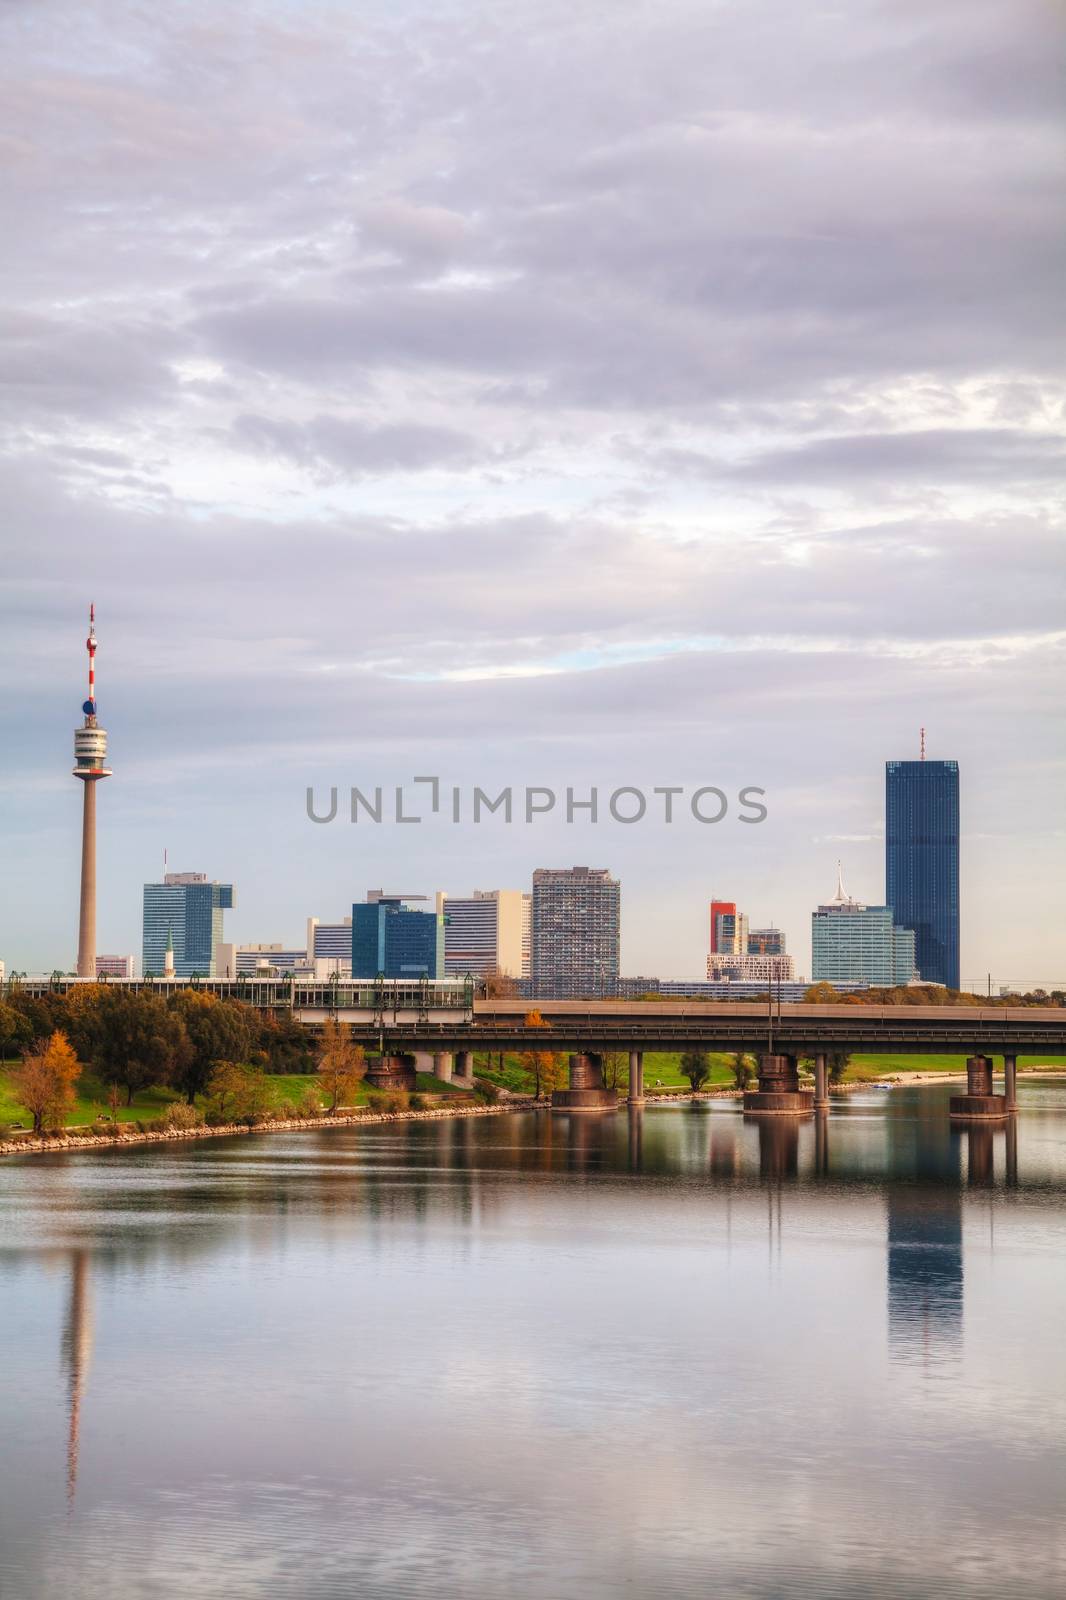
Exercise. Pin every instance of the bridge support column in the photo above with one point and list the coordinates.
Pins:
(443, 1065)
(464, 1068)
(779, 1093)
(636, 1077)
(391, 1072)
(1010, 1082)
(821, 1083)
(978, 1101)
(586, 1091)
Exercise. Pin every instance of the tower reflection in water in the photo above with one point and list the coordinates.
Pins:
(76, 1350)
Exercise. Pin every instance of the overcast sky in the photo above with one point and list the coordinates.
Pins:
(526, 392)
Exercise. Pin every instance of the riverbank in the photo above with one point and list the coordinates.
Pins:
(124, 1136)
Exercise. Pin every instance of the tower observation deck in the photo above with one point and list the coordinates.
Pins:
(90, 765)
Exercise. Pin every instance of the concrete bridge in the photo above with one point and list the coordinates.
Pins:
(436, 1027)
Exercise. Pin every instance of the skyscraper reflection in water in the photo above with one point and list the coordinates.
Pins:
(925, 1277)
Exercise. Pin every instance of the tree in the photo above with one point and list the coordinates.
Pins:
(743, 1070)
(236, 1092)
(615, 1069)
(838, 1062)
(44, 1081)
(696, 1068)
(543, 1066)
(14, 1030)
(128, 1037)
(499, 985)
(207, 1031)
(341, 1064)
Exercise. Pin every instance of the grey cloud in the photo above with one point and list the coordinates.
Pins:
(337, 445)
(971, 456)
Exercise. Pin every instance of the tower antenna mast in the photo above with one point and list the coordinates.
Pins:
(90, 765)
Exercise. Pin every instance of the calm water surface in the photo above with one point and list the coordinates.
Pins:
(672, 1354)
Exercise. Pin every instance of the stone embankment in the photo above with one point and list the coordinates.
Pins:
(72, 1140)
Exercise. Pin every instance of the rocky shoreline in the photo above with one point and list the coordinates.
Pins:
(119, 1139)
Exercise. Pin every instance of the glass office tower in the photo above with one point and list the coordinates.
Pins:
(188, 908)
(922, 861)
(388, 937)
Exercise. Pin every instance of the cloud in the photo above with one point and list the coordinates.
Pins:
(540, 385)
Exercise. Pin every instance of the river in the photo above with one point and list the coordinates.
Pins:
(673, 1353)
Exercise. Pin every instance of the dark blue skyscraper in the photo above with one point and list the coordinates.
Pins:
(388, 937)
(922, 861)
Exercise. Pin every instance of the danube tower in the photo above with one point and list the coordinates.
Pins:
(90, 755)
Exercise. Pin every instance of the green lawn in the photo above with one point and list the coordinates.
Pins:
(663, 1068)
(288, 1088)
(660, 1069)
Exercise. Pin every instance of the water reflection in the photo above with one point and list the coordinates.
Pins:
(76, 1349)
(924, 1205)
(422, 1359)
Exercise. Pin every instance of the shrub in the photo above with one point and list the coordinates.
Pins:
(309, 1103)
(418, 1102)
(180, 1116)
(489, 1092)
(395, 1100)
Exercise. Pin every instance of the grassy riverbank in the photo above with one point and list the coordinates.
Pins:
(663, 1069)
(288, 1089)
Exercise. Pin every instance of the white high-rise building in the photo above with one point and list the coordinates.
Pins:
(329, 948)
(489, 931)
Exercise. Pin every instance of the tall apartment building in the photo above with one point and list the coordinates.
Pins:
(391, 938)
(856, 943)
(487, 932)
(188, 908)
(729, 929)
(766, 942)
(922, 861)
(576, 932)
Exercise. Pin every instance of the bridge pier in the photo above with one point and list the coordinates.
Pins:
(443, 1065)
(464, 1068)
(636, 1077)
(392, 1072)
(821, 1083)
(586, 1091)
(779, 1093)
(1010, 1081)
(979, 1100)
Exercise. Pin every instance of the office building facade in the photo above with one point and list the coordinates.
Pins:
(268, 960)
(189, 908)
(329, 948)
(922, 861)
(391, 938)
(751, 968)
(854, 943)
(766, 942)
(487, 932)
(729, 929)
(576, 932)
(116, 967)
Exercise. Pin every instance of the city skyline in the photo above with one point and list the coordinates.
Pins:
(724, 914)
